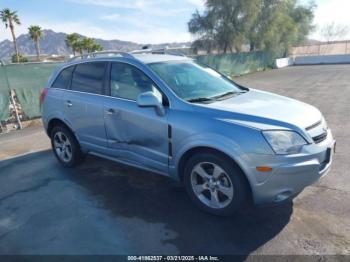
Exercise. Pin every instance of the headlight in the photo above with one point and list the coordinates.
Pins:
(284, 142)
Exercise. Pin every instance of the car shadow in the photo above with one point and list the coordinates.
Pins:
(129, 195)
(133, 193)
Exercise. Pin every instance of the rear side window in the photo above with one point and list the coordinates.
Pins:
(63, 79)
(88, 77)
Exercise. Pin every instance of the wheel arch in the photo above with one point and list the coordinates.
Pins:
(55, 122)
(200, 149)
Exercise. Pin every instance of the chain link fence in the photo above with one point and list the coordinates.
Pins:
(321, 49)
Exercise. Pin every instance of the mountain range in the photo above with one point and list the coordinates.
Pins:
(53, 43)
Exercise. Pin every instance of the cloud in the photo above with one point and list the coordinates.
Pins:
(198, 3)
(155, 37)
(161, 8)
(111, 17)
(141, 21)
(137, 4)
(139, 33)
(331, 11)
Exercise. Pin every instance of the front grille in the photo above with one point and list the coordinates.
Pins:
(320, 138)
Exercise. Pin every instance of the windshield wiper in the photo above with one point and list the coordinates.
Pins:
(215, 98)
(227, 95)
(201, 100)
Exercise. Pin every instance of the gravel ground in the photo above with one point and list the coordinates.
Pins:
(106, 208)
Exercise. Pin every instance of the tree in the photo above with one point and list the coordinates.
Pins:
(96, 47)
(227, 25)
(80, 45)
(332, 31)
(89, 45)
(290, 24)
(223, 23)
(21, 59)
(10, 19)
(36, 33)
(71, 42)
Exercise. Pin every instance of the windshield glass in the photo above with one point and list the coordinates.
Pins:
(194, 82)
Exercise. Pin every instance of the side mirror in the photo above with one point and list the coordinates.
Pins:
(149, 99)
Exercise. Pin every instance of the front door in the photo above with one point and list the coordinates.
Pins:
(135, 134)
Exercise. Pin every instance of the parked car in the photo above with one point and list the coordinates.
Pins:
(227, 143)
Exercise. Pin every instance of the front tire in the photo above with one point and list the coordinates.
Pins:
(214, 183)
(65, 146)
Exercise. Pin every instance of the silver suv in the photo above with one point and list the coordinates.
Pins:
(170, 115)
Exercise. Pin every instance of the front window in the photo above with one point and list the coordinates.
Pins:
(128, 82)
(195, 83)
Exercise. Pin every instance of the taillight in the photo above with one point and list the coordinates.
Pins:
(43, 93)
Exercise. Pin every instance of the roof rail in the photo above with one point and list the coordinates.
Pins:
(162, 51)
(101, 53)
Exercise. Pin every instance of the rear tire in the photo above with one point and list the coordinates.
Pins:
(65, 146)
(215, 184)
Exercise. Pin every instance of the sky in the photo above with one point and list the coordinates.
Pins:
(141, 21)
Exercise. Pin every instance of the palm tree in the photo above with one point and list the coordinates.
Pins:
(87, 44)
(96, 47)
(10, 19)
(90, 45)
(71, 41)
(79, 46)
(36, 33)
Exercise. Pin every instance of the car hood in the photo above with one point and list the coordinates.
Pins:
(266, 109)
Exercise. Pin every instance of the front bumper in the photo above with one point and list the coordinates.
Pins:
(291, 173)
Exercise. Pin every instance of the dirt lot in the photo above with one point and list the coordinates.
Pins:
(105, 208)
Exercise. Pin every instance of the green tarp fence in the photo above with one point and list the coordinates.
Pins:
(27, 80)
(239, 63)
(4, 95)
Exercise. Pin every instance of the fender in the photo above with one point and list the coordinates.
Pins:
(59, 116)
(210, 140)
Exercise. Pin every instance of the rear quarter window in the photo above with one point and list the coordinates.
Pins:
(89, 77)
(63, 79)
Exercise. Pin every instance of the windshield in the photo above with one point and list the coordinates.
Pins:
(194, 82)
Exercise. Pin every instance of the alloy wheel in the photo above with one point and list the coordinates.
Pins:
(212, 185)
(62, 146)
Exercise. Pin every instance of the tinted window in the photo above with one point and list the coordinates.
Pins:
(88, 77)
(63, 79)
(128, 82)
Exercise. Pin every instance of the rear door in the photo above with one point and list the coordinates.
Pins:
(84, 104)
(53, 102)
(136, 134)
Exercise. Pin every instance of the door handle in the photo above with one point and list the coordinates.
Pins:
(69, 103)
(110, 111)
